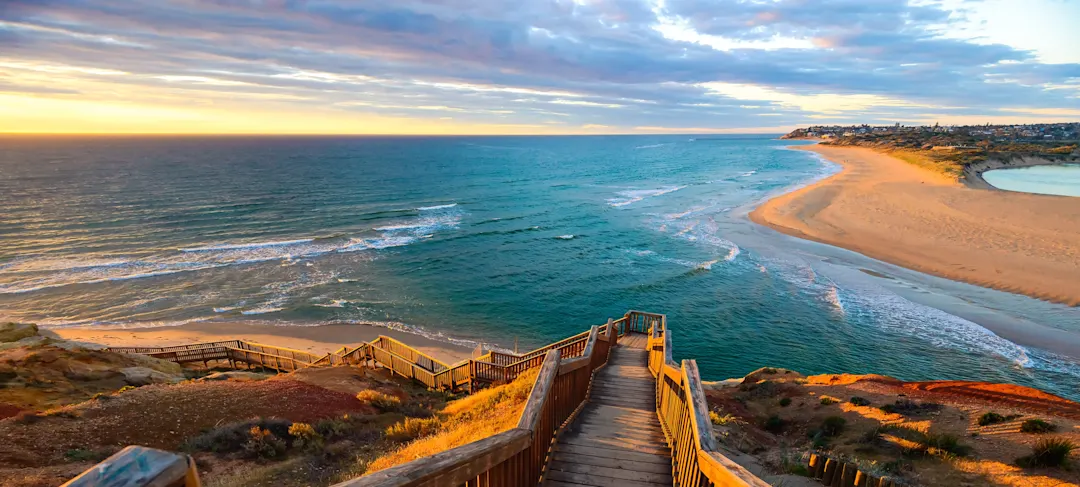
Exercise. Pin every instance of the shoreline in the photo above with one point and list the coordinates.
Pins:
(898, 213)
(317, 339)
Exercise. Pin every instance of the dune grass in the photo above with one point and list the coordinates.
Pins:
(475, 417)
(929, 161)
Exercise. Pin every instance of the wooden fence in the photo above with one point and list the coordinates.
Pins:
(517, 457)
(250, 353)
(684, 416)
(837, 473)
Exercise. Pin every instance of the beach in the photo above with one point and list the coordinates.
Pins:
(892, 211)
(318, 339)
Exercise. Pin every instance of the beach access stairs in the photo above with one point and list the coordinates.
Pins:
(609, 407)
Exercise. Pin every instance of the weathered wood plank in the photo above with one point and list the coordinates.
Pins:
(614, 462)
(614, 453)
(596, 480)
(615, 473)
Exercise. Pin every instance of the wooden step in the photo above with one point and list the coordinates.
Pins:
(595, 480)
(657, 449)
(621, 453)
(614, 461)
(616, 473)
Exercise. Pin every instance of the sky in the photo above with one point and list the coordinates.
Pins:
(531, 66)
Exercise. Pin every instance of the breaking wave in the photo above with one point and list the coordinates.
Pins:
(633, 196)
(40, 273)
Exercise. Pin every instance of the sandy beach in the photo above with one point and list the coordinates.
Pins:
(889, 210)
(318, 339)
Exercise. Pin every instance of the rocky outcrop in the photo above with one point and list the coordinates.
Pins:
(13, 332)
(38, 372)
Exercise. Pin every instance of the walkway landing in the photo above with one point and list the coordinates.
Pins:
(616, 440)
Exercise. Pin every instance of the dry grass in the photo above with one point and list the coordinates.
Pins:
(466, 420)
(927, 161)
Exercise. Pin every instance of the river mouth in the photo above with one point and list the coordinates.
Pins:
(1060, 180)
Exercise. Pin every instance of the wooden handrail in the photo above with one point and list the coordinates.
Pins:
(684, 418)
(518, 456)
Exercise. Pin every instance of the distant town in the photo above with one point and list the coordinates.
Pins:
(948, 136)
(949, 148)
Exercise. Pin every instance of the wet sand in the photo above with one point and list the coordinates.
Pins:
(318, 339)
(892, 211)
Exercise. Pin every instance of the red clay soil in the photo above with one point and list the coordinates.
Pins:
(163, 416)
(1005, 394)
(985, 393)
(7, 410)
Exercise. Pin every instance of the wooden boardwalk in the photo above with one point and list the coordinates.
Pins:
(616, 440)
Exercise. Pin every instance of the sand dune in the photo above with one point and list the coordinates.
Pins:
(887, 209)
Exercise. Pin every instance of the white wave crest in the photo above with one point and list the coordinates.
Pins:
(436, 207)
(565, 237)
(633, 196)
(255, 245)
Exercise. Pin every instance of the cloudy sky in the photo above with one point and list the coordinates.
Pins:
(531, 66)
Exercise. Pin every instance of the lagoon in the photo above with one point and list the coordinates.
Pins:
(1063, 180)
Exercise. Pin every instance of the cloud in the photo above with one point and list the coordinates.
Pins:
(702, 64)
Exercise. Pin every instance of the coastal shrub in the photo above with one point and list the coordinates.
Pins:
(1050, 452)
(944, 443)
(785, 402)
(774, 424)
(378, 400)
(333, 428)
(859, 401)
(908, 407)
(1037, 426)
(724, 420)
(413, 428)
(261, 443)
(825, 401)
(86, 455)
(833, 425)
(305, 437)
(232, 437)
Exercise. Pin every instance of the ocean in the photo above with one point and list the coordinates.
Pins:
(486, 239)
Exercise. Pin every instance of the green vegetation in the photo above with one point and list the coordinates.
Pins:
(774, 424)
(859, 401)
(234, 437)
(833, 425)
(305, 437)
(379, 400)
(825, 401)
(261, 443)
(908, 407)
(413, 428)
(991, 418)
(1037, 426)
(1050, 452)
(785, 402)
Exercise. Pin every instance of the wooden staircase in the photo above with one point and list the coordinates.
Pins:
(616, 440)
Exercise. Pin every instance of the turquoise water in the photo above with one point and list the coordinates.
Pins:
(1061, 180)
(487, 239)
